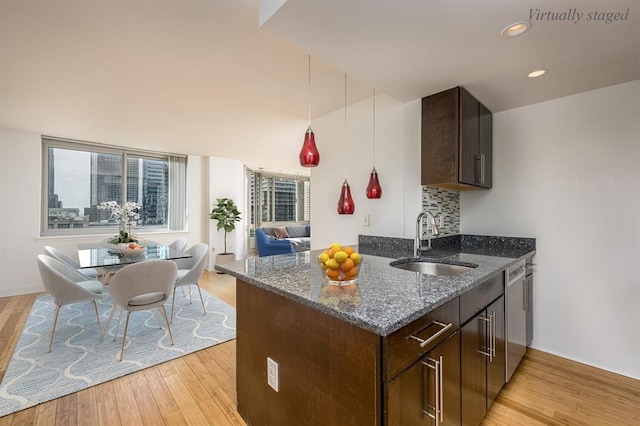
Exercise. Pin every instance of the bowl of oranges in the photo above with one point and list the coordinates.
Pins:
(340, 265)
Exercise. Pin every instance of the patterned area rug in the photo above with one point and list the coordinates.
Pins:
(77, 359)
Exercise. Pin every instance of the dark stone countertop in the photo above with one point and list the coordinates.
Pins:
(386, 298)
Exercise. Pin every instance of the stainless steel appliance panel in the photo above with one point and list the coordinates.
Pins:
(516, 314)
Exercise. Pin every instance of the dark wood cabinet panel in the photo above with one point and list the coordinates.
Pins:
(483, 361)
(496, 367)
(477, 299)
(329, 370)
(474, 371)
(469, 171)
(456, 141)
(485, 145)
(440, 135)
(421, 392)
(400, 350)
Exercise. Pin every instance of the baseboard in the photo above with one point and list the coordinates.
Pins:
(24, 289)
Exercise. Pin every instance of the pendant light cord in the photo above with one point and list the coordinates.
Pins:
(374, 128)
(345, 121)
(309, 88)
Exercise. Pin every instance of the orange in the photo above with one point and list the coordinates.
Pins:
(334, 250)
(333, 274)
(351, 273)
(348, 250)
(347, 265)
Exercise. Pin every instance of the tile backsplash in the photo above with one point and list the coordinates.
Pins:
(445, 207)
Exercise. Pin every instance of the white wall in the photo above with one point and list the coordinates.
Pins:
(567, 172)
(396, 163)
(20, 189)
(227, 179)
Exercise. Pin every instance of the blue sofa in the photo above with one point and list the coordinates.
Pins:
(268, 244)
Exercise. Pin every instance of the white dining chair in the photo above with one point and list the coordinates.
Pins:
(191, 269)
(142, 286)
(90, 273)
(67, 286)
(180, 244)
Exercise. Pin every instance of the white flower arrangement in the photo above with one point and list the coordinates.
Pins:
(125, 214)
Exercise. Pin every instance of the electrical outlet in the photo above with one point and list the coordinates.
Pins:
(366, 220)
(272, 374)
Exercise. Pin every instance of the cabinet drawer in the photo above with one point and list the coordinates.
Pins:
(476, 299)
(403, 347)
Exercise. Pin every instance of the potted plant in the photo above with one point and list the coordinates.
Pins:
(124, 214)
(227, 214)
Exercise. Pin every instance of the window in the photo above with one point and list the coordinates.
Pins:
(78, 176)
(279, 198)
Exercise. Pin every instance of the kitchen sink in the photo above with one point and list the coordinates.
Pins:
(431, 268)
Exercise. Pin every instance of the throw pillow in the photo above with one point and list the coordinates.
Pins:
(281, 232)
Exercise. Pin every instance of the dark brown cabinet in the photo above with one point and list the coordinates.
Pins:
(431, 371)
(428, 392)
(483, 361)
(457, 134)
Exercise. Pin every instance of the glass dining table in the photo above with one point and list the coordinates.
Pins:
(107, 256)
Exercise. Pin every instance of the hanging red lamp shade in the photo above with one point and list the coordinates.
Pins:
(345, 203)
(374, 190)
(309, 155)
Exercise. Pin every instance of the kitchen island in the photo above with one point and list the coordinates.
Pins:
(336, 356)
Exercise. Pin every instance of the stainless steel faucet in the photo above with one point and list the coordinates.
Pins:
(417, 244)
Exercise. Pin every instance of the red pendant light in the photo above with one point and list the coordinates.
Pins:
(374, 190)
(309, 155)
(345, 203)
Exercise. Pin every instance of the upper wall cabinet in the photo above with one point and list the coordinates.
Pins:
(457, 136)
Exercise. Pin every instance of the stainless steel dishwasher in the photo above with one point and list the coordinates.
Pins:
(516, 313)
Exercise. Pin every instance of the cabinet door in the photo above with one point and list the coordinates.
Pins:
(417, 396)
(496, 366)
(485, 146)
(469, 166)
(474, 352)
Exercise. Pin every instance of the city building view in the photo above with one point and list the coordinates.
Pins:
(101, 180)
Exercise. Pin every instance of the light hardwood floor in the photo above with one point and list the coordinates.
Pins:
(200, 388)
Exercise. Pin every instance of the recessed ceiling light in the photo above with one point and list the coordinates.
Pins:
(537, 73)
(515, 29)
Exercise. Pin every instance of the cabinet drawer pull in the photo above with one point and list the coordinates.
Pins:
(491, 349)
(443, 330)
(492, 317)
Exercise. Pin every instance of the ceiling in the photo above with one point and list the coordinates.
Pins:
(202, 77)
